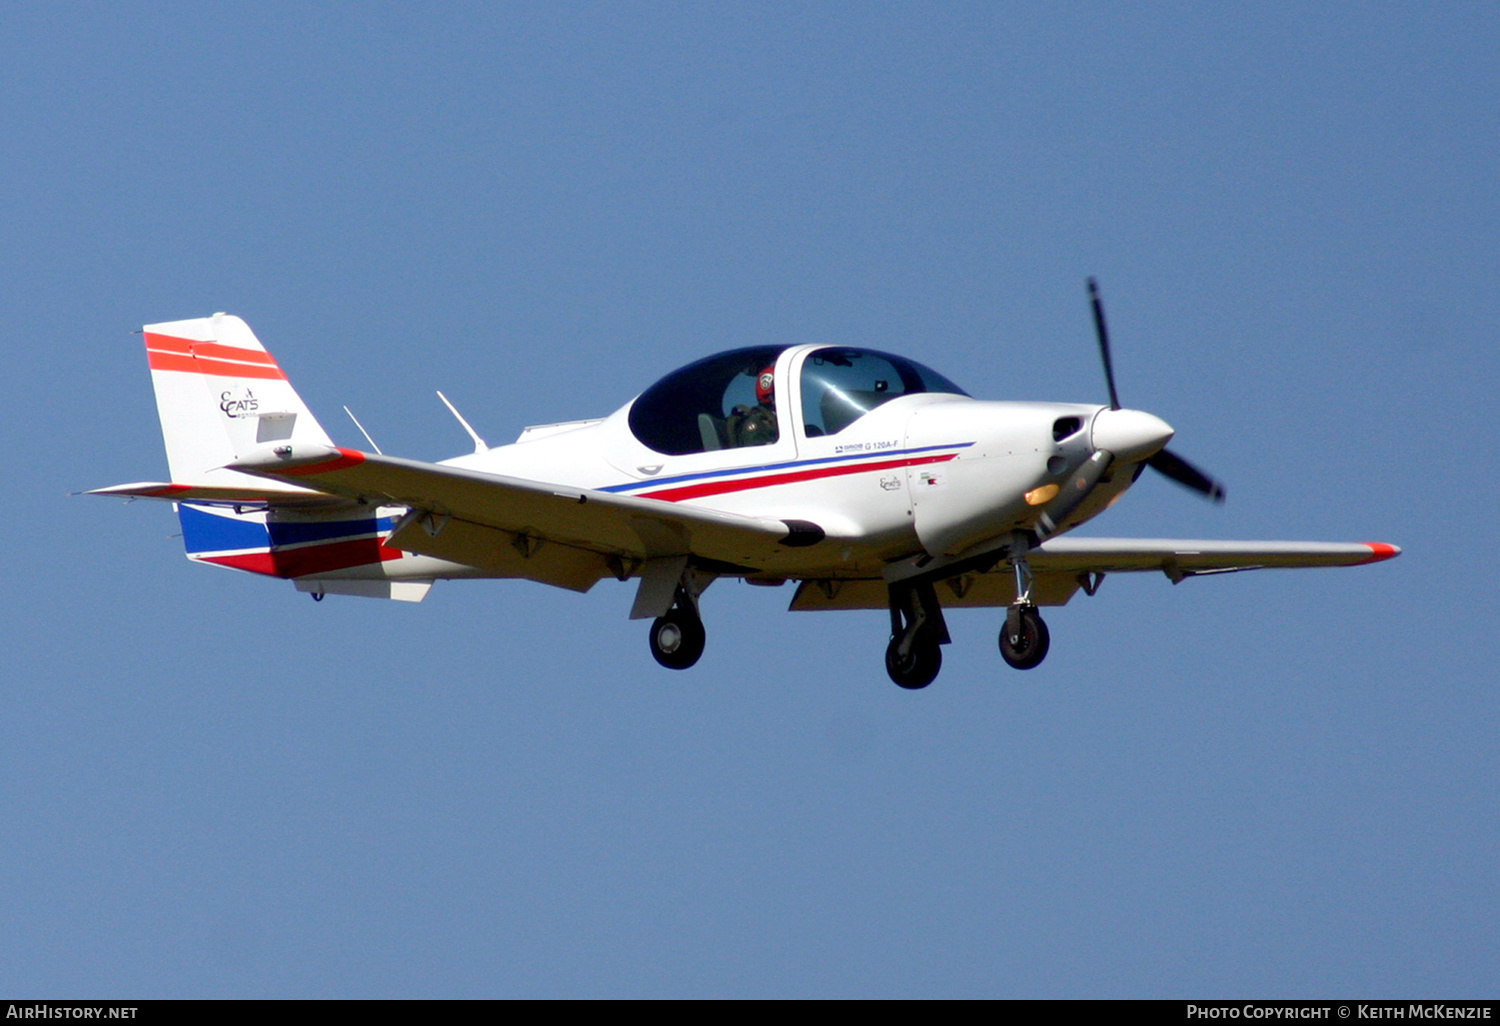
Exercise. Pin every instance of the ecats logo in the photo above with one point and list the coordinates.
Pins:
(238, 402)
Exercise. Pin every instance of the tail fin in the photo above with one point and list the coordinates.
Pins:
(220, 395)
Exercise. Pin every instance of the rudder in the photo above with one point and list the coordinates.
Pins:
(219, 395)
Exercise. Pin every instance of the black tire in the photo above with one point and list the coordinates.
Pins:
(1035, 641)
(677, 639)
(919, 668)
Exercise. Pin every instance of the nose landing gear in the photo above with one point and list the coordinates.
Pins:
(1024, 638)
(914, 655)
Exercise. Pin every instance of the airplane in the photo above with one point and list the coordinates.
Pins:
(870, 480)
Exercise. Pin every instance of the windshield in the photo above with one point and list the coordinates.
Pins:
(722, 402)
(841, 385)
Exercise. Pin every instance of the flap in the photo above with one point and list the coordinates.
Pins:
(966, 591)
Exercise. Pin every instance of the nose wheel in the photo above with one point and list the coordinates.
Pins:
(677, 639)
(1024, 638)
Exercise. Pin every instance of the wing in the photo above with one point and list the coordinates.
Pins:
(1179, 558)
(1062, 565)
(513, 527)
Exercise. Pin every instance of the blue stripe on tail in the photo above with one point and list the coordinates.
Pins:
(211, 532)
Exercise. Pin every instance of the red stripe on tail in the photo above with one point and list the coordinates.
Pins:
(312, 559)
(163, 352)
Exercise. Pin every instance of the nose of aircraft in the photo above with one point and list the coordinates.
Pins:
(1130, 434)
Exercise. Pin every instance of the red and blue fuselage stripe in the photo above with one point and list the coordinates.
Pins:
(718, 482)
(295, 549)
(284, 549)
(206, 532)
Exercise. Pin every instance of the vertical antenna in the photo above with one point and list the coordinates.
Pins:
(479, 445)
(363, 431)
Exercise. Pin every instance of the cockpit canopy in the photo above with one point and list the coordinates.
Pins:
(840, 385)
(705, 405)
(731, 400)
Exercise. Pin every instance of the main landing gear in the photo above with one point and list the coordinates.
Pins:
(913, 657)
(677, 637)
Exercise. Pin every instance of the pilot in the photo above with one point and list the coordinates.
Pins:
(756, 425)
(765, 387)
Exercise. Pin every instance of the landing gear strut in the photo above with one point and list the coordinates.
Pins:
(913, 657)
(677, 638)
(1024, 638)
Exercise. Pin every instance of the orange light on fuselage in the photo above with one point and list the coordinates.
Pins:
(1037, 496)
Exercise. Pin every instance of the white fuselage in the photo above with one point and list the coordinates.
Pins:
(934, 472)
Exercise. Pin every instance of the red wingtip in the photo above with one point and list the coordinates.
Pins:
(1380, 551)
(345, 458)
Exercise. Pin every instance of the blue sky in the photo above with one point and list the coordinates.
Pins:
(1263, 784)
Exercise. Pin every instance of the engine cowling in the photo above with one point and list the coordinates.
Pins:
(981, 493)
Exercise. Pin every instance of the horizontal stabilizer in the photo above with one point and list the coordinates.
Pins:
(264, 492)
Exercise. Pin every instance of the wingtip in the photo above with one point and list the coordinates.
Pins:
(1381, 551)
(303, 460)
(140, 490)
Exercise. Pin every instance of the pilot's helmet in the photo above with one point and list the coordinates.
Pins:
(765, 385)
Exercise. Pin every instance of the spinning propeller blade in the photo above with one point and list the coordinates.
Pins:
(1184, 473)
(1103, 334)
(1164, 462)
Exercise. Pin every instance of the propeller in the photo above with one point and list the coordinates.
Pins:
(1184, 473)
(1103, 334)
(1164, 461)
